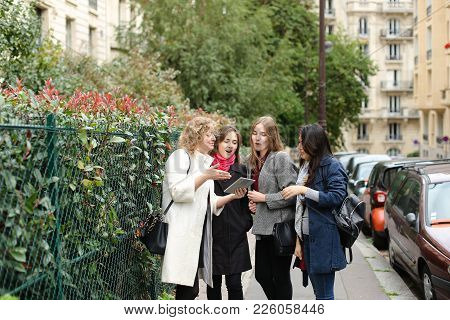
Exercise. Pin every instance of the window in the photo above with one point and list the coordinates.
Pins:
(69, 33)
(93, 4)
(362, 132)
(330, 29)
(396, 184)
(429, 7)
(363, 30)
(122, 12)
(429, 42)
(393, 152)
(394, 27)
(394, 76)
(394, 104)
(92, 41)
(394, 131)
(394, 52)
(364, 47)
(364, 103)
(408, 198)
(429, 81)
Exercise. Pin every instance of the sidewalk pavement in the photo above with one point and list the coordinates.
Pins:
(368, 277)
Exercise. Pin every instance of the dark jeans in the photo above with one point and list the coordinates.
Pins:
(271, 271)
(234, 287)
(186, 292)
(323, 283)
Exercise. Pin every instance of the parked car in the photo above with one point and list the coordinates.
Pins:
(353, 162)
(344, 159)
(375, 195)
(341, 154)
(418, 221)
(357, 184)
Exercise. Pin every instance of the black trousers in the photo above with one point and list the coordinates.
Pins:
(271, 271)
(234, 287)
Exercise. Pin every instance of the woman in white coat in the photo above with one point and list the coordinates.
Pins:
(189, 183)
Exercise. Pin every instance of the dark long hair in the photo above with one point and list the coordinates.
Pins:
(222, 135)
(315, 143)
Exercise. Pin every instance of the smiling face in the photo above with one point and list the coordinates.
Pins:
(260, 139)
(229, 145)
(207, 144)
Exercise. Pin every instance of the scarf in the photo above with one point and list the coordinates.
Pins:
(224, 163)
(303, 173)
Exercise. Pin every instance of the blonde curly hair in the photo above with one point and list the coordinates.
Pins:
(194, 132)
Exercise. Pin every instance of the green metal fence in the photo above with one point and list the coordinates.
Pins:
(69, 204)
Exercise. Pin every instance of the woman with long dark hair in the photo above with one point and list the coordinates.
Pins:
(231, 254)
(321, 188)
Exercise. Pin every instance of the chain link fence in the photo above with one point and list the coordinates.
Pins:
(69, 204)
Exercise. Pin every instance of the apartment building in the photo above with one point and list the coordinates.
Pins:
(86, 26)
(388, 122)
(432, 76)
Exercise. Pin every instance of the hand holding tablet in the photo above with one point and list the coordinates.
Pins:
(238, 184)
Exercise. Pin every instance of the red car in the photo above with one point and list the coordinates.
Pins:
(418, 221)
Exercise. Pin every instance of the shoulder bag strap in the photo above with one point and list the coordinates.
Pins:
(187, 173)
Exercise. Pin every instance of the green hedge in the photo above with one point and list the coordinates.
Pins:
(76, 175)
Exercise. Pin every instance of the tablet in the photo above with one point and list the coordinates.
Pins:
(239, 183)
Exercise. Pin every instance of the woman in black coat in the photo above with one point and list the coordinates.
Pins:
(231, 254)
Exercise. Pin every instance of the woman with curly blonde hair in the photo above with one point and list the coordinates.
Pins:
(188, 188)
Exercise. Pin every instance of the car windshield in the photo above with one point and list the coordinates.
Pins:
(364, 171)
(439, 203)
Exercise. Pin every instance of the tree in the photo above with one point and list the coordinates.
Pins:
(254, 57)
(348, 69)
(225, 55)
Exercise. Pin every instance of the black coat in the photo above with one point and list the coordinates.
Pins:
(230, 246)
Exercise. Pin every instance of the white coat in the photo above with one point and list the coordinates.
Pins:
(186, 218)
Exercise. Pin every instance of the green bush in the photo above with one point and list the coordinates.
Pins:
(77, 174)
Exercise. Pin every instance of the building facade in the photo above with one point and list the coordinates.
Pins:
(388, 122)
(432, 76)
(86, 26)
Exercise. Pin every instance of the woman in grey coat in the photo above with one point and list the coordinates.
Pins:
(272, 170)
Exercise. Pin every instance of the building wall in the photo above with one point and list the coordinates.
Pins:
(377, 115)
(93, 27)
(431, 76)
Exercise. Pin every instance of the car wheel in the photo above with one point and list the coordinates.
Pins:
(427, 285)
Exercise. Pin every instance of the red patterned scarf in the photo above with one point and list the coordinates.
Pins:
(224, 163)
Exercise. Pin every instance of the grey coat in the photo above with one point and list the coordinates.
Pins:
(277, 173)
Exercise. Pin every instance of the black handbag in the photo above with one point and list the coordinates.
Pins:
(284, 238)
(349, 221)
(153, 231)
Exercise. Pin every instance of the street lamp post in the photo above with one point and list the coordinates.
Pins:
(322, 79)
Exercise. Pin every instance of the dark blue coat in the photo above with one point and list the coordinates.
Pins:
(326, 252)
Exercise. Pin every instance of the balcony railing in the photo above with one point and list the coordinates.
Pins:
(394, 137)
(363, 137)
(429, 54)
(394, 57)
(330, 13)
(363, 33)
(397, 7)
(93, 4)
(396, 85)
(362, 6)
(396, 34)
(403, 112)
